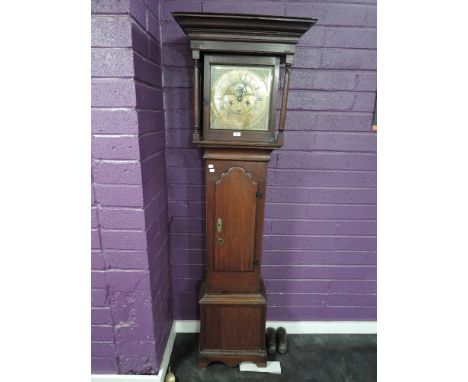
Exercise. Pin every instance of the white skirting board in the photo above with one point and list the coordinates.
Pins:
(292, 327)
(299, 327)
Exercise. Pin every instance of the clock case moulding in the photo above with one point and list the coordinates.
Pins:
(250, 36)
(232, 296)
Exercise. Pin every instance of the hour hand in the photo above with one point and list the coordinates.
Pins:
(239, 92)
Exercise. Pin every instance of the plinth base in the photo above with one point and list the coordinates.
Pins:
(231, 358)
(232, 328)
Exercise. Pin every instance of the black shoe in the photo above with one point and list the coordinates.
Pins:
(281, 340)
(271, 340)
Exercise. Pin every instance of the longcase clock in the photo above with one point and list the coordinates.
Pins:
(237, 63)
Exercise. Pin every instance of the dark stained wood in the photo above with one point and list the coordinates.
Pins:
(252, 48)
(284, 101)
(248, 171)
(232, 358)
(232, 328)
(232, 297)
(240, 154)
(235, 213)
(243, 27)
(243, 323)
(196, 99)
(237, 145)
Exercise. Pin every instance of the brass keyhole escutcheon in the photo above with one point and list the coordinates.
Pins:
(219, 228)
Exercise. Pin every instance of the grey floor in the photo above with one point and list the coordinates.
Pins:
(311, 357)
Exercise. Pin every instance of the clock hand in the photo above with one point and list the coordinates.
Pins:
(240, 92)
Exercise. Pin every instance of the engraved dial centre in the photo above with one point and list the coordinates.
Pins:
(240, 98)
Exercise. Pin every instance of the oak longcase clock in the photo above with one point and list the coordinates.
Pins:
(238, 121)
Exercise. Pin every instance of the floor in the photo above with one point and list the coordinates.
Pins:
(310, 357)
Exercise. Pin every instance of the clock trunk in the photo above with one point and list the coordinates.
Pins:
(235, 204)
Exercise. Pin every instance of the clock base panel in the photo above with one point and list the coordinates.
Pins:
(232, 328)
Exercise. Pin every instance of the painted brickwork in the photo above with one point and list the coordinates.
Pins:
(319, 259)
(131, 296)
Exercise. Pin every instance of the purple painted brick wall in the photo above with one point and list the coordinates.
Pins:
(319, 258)
(131, 294)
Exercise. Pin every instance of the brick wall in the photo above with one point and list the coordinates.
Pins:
(319, 259)
(131, 296)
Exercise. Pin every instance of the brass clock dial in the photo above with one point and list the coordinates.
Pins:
(240, 97)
